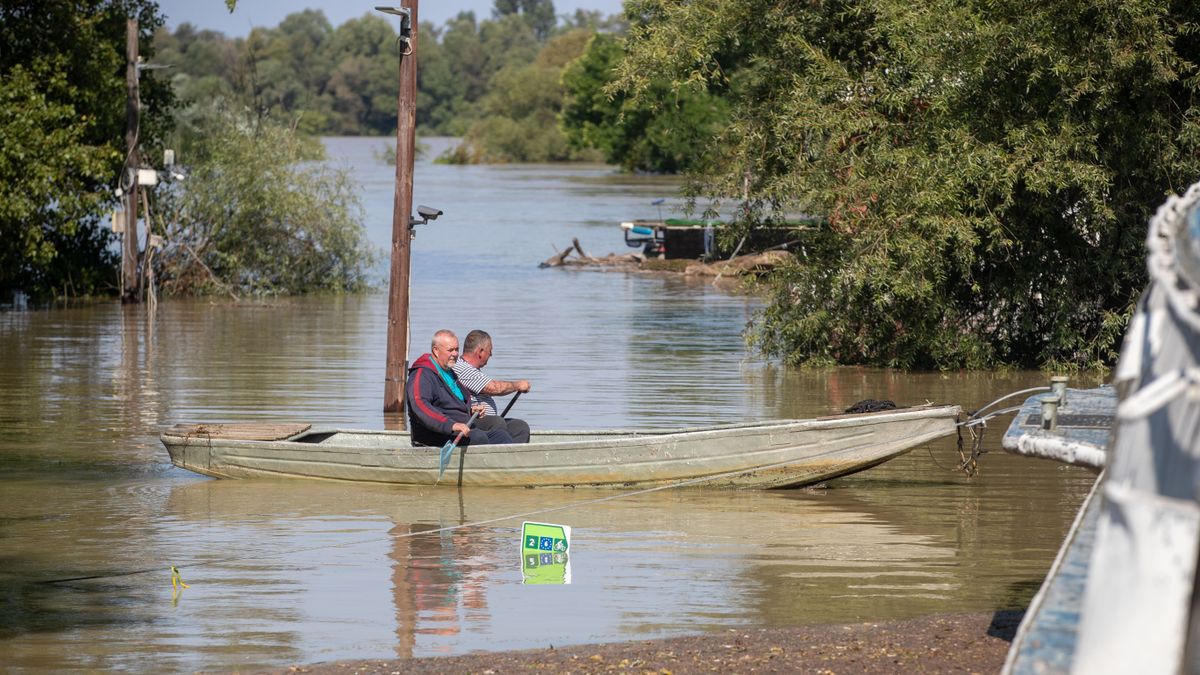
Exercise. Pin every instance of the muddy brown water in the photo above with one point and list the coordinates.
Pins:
(283, 572)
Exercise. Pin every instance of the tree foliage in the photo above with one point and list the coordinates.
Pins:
(519, 120)
(665, 129)
(496, 81)
(49, 209)
(259, 212)
(537, 14)
(984, 171)
(62, 146)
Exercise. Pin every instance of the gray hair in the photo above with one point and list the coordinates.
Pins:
(442, 333)
(475, 340)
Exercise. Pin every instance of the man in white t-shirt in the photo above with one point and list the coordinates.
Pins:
(477, 349)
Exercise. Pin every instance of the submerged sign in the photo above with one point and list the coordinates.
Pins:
(544, 556)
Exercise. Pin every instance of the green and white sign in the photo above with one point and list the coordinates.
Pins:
(545, 557)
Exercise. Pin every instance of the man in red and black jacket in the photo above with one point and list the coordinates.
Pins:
(438, 407)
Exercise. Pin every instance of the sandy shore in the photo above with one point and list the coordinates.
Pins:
(952, 643)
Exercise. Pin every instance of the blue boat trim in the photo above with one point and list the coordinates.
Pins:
(1046, 639)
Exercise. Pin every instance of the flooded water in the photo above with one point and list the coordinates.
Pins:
(298, 572)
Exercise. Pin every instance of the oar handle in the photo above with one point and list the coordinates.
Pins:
(469, 423)
(510, 404)
(448, 448)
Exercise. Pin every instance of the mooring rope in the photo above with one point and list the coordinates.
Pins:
(976, 424)
(1005, 397)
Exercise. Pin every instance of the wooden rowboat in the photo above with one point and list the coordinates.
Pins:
(776, 454)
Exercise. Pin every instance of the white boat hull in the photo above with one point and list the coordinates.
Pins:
(783, 453)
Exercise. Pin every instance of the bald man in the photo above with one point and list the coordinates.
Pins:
(439, 406)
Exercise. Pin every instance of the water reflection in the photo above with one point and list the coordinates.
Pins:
(303, 572)
(649, 565)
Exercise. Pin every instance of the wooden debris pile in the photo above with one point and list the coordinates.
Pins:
(751, 264)
(610, 260)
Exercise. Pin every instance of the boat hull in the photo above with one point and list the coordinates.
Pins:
(786, 453)
(1081, 436)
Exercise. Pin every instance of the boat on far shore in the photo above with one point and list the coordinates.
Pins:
(773, 454)
(696, 238)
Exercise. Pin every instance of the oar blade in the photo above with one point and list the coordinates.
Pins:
(447, 450)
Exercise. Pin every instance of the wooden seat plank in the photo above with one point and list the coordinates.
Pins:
(242, 431)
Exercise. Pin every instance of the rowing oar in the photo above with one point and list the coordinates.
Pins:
(448, 448)
(463, 455)
(510, 405)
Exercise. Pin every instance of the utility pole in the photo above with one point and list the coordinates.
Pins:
(129, 244)
(402, 224)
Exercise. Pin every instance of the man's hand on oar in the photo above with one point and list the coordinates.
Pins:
(448, 448)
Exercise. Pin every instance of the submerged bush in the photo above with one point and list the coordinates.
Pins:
(259, 212)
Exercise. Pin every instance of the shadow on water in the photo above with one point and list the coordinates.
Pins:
(37, 607)
(1020, 593)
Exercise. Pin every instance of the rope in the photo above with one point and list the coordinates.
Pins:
(983, 420)
(1008, 396)
(958, 431)
(969, 464)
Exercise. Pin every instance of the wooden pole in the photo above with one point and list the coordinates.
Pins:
(406, 121)
(129, 243)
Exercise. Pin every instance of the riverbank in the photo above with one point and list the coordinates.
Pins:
(975, 643)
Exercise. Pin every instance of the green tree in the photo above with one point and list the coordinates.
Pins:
(440, 95)
(593, 20)
(203, 62)
(468, 57)
(984, 170)
(506, 42)
(363, 82)
(62, 129)
(465, 64)
(665, 129)
(343, 80)
(291, 69)
(259, 213)
(50, 203)
(537, 14)
(519, 121)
